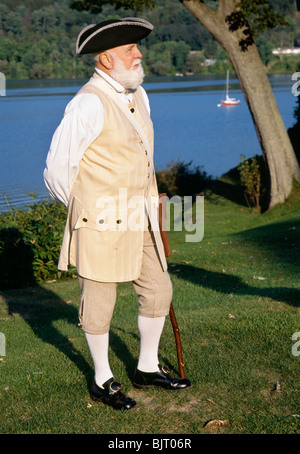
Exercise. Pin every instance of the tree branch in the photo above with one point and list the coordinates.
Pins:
(204, 13)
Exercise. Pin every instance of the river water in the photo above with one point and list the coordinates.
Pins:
(189, 126)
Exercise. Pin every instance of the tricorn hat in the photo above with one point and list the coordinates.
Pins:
(112, 33)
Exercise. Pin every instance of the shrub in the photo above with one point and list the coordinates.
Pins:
(30, 242)
(250, 175)
(178, 178)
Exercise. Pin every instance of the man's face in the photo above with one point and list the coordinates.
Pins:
(128, 54)
(127, 68)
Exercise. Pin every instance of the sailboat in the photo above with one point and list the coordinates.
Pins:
(228, 101)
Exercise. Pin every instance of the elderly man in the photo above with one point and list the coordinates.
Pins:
(100, 165)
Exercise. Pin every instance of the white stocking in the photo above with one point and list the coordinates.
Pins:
(150, 332)
(98, 345)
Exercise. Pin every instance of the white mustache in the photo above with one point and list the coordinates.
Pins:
(138, 61)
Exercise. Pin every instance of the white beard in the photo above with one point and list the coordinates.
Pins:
(131, 78)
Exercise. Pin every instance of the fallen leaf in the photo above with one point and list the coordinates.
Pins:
(216, 422)
(231, 316)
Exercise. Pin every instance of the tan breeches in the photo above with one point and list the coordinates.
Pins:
(153, 288)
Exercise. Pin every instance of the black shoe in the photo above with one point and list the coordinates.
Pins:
(161, 379)
(112, 395)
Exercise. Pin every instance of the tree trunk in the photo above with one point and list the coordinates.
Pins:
(278, 153)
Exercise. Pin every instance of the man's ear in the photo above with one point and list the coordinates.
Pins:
(106, 60)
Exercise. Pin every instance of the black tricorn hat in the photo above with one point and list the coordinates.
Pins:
(112, 33)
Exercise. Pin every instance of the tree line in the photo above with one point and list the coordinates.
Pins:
(37, 40)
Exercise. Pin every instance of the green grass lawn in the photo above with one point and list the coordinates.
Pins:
(236, 298)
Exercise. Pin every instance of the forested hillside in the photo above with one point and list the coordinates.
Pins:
(37, 40)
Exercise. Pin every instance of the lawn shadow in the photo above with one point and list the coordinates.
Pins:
(279, 240)
(230, 284)
(121, 350)
(38, 306)
(227, 190)
(41, 308)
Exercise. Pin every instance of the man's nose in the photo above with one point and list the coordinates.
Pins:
(138, 53)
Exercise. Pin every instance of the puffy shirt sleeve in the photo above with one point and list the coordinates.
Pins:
(81, 125)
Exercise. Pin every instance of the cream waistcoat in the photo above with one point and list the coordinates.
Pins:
(115, 185)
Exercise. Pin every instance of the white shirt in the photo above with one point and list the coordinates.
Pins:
(82, 123)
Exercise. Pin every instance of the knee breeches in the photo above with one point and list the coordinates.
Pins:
(153, 289)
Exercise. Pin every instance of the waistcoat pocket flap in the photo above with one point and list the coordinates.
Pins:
(101, 219)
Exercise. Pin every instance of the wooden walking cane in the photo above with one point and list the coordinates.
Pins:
(167, 249)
